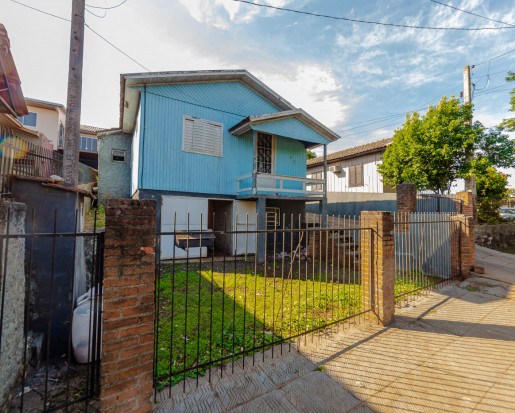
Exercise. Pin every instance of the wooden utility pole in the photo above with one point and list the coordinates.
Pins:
(73, 103)
(470, 183)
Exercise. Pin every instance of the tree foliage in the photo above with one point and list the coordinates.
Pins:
(433, 150)
(310, 154)
(509, 124)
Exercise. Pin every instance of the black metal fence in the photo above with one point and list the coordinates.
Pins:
(236, 293)
(50, 319)
(427, 251)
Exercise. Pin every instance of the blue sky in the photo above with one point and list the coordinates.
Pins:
(348, 75)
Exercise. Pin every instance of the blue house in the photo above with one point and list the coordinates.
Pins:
(218, 149)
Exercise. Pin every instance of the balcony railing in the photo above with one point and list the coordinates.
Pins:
(261, 183)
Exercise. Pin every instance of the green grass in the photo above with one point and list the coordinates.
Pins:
(214, 314)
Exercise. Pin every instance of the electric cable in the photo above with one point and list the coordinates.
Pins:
(268, 6)
(473, 14)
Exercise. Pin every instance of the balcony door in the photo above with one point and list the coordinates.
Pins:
(265, 153)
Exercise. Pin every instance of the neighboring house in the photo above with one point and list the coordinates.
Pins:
(353, 169)
(216, 144)
(50, 118)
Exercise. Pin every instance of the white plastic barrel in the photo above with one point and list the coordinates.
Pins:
(83, 324)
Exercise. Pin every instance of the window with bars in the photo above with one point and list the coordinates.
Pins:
(202, 136)
(264, 153)
(356, 176)
(61, 136)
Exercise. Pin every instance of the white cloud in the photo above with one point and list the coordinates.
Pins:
(313, 88)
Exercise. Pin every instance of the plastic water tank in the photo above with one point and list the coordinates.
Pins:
(83, 324)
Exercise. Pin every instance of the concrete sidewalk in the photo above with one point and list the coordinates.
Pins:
(498, 265)
(448, 351)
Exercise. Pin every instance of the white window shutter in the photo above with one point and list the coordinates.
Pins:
(202, 136)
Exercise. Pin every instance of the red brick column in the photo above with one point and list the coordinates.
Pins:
(468, 203)
(128, 316)
(406, 204)
(378, 265)
(463, 247)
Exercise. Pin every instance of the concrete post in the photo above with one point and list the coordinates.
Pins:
(129, 309)
(261, 225)
(378, 266)
(463, 247)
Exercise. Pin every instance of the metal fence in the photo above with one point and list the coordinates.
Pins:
(427, 246)
(50, 320)
(214, 306)
(20, 157)
(429, 202)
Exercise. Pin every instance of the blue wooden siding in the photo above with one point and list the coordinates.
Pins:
(293, 128)
(164, 166)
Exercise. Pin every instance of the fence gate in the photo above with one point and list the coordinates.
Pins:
(215, 307)
(427, 251)
(50, 320)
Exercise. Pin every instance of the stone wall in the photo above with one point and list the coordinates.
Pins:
(495, 236)
(12, 219)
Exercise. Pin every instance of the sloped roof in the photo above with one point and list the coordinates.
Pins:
(372, 147)
(11, 95)
(90, 129)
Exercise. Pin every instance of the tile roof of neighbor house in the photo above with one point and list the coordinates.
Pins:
(91, 129)
(372, 147)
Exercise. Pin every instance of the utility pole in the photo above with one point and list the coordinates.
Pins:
(73, 103)
(470, 183)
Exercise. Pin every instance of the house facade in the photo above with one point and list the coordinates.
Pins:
(353, 169)
(219, 145)
(49, 118)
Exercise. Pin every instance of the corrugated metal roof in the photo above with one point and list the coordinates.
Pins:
(300, 114)
(360, 150)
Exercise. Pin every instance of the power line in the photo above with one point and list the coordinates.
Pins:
(494, 73)
(473, 14)
(107, 8)
(96, 33)
(496, 57)
(370, 22)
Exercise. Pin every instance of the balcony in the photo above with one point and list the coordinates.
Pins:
(288, 186)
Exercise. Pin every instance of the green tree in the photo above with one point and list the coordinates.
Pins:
(509, 124)
(310, 154)
(431, 150)
(492, 189)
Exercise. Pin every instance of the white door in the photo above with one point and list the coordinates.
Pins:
(244, 242)
(180, 209)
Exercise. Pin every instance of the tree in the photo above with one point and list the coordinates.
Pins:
(492, 189)
(310, 154)
(509, 124)
(431, 150)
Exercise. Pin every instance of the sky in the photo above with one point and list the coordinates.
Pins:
(358, 79)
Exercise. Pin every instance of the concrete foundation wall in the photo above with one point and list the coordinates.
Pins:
(11, 352)
(495, 236)
(114, 177)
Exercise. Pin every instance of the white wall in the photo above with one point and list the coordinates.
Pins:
(47, 122)
(339, 182)
(135, 155)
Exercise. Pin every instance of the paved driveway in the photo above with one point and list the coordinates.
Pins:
(450, 351)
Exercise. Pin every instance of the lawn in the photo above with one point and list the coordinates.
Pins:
(217, 314)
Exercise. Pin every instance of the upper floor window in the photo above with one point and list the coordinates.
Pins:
(88, 144)
(264, 153)
(61, 136)
(202, 136)
(29, 120)
(356, 176)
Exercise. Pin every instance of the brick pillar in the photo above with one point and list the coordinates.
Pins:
(128, 324)
(468, 201)
(463, 248)
(406, 204)
(378, 265)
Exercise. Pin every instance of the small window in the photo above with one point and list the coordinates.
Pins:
(356, 176)
(29, 120)
(273, 217)
(88, 144)
(202, 136)
(117, 155)
(317, 175)
(61, 135)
